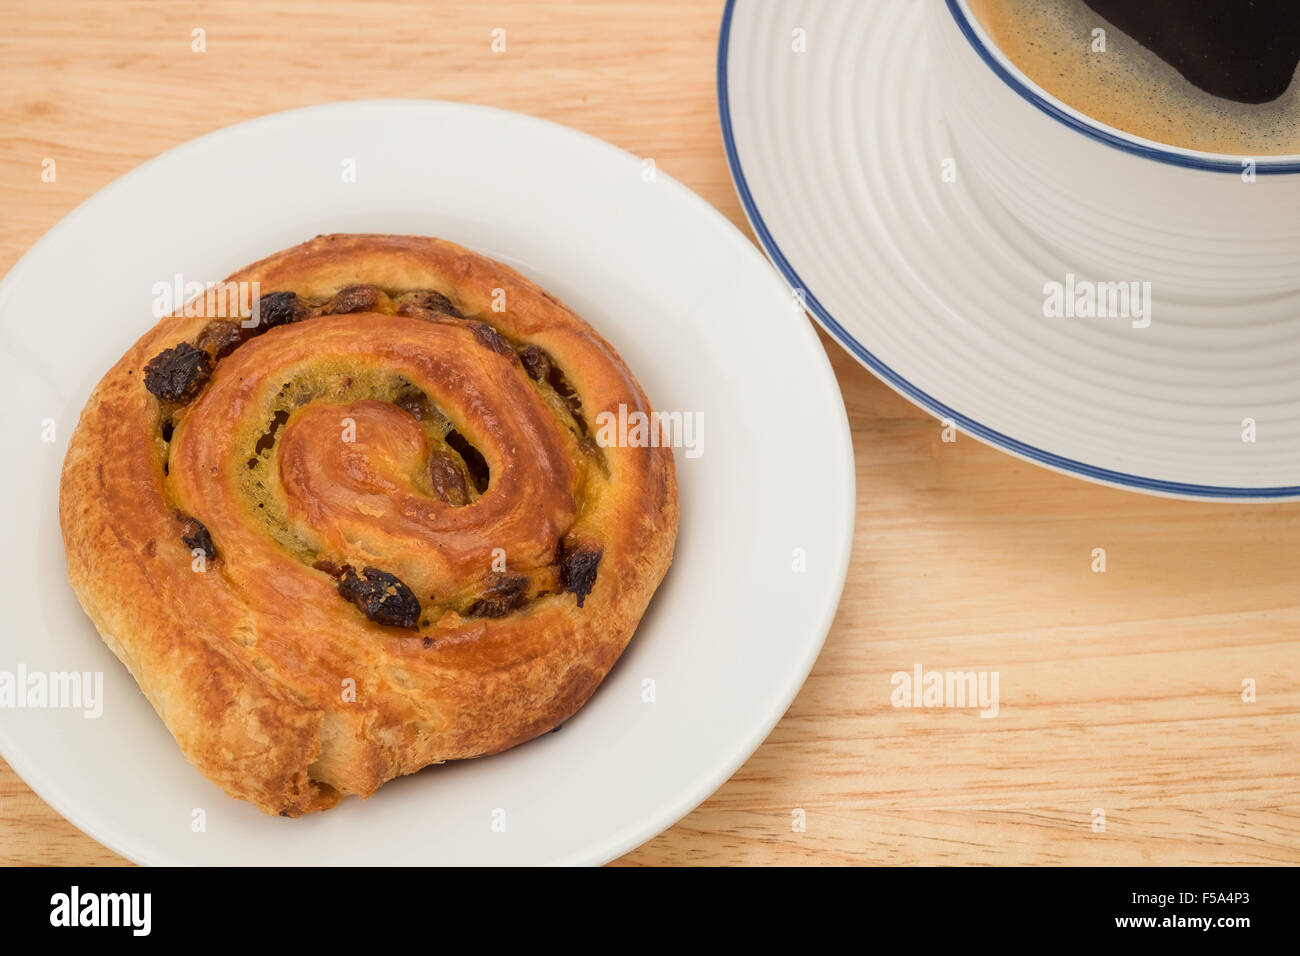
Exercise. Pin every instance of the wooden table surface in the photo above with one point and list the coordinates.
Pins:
(1119, 691)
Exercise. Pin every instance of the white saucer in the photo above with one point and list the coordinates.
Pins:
(699, 315)
(837, 153)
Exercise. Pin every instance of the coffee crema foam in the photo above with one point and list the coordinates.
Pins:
(1129, 87)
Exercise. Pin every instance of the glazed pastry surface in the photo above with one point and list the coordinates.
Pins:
(369, 528)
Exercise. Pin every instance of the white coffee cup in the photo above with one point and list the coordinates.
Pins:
(1196, 225)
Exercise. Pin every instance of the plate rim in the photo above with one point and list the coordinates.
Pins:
(30, 769)
(916, 395)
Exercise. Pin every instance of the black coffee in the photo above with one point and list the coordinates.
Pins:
(1242, 51)
(1214, 75)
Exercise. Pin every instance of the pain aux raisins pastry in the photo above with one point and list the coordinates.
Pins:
(363, 526)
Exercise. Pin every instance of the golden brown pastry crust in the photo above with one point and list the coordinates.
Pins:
(249, 661)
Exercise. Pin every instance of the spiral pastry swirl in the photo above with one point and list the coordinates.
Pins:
(365, 526)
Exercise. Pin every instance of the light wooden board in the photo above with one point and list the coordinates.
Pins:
(1118, 690)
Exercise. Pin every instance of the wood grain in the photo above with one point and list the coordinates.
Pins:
(1119, 690)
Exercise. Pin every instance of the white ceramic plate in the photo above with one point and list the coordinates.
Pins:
(837, 151)
(701, 318)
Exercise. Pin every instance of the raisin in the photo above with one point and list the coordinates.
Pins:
(430, 301)
(354, 298)
(447, 478)
(504, 593)
(220, 338)
(536, 362)
(277, 308)
(196, 536)
(474, 460)
(414, 403)
(492, 339)
(578, 565)
(381, 596)
(178, 374)
(567, 392)
(329, 567)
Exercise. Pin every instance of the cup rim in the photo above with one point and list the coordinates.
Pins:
(1126, 142)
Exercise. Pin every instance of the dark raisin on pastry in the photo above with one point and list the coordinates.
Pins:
(277, 308)
(555, 377)
(381, 596)
(220, 337)
(354, 298)
(447, 478)
(415, 404)
(432, 301)
(578, 563)
(196, 537)
(492, 339)
(473, 458)
(536, 362)
(504, 593)
(178, 374)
